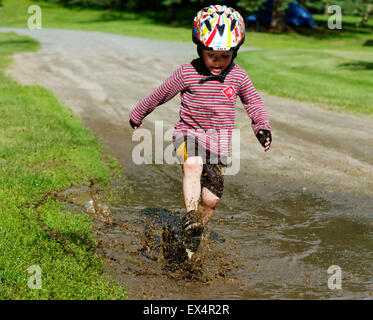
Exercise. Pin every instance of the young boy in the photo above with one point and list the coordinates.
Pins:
(208, 89)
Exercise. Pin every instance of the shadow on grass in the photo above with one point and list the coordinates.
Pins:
(322, 32)
(113, 16)
(16, 42)
(357, 66)
(347, 26)
(182, 19)
(17, 45)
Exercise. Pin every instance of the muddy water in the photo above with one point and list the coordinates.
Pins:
(280, 237)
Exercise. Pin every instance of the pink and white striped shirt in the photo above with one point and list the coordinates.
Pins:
(207, 109)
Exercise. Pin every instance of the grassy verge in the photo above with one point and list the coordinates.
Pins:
(329, 77)
(14, 14)
(43, 148)
(331, 67)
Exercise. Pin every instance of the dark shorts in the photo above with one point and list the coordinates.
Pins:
(212, 172)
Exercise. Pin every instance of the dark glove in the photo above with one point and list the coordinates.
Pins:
(263, 137)
(134, 125)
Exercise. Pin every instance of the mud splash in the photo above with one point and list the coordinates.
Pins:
(277, 246)
(87, 199)
(147, 259)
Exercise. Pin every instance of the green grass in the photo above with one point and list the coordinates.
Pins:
(44, 148)
(329, 77)
(320, 37)
(332, 67)
(14, 14)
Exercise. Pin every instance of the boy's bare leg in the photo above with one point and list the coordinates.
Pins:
(192, 182)
(208, 205)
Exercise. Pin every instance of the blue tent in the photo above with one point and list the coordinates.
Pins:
(298, 16)
(295, 15)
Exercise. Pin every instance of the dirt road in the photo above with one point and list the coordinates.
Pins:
(311, 194)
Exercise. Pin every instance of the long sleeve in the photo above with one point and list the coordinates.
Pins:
(165, 92)
(254, 106)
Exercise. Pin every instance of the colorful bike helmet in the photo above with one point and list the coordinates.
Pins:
(219, 28)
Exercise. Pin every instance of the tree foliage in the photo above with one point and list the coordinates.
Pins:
(351, 7)
(278, 23)
(256, 5)
(361, 8)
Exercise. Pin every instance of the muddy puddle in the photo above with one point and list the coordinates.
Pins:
(272, 239)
